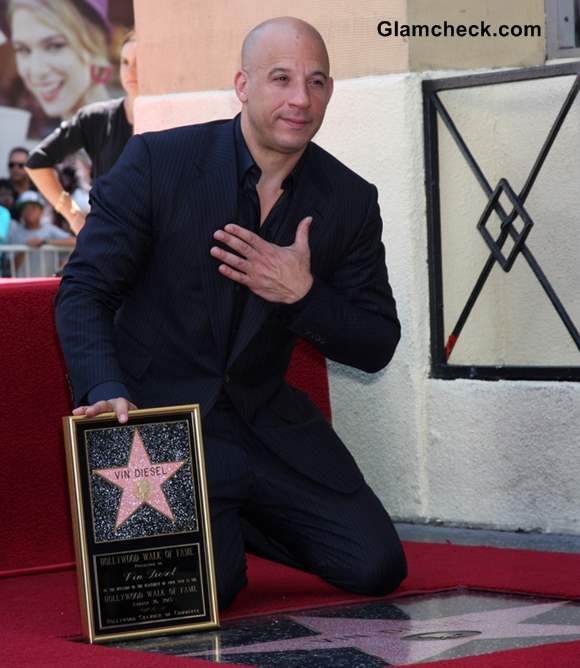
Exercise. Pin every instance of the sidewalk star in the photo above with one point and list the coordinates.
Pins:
(408, 641)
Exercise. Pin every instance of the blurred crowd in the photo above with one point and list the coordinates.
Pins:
(63, 55)
(26, 219)
(45, 199)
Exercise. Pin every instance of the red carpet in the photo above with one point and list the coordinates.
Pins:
(36, 610)
(39, 613)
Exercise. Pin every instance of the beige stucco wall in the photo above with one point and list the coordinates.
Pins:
(432, 449)
(191, 45)
(472, 52)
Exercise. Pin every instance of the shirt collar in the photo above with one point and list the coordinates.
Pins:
(245, 162)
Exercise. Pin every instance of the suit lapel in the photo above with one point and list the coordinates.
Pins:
(215, 207)
(310, 199)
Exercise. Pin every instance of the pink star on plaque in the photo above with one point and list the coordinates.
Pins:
(141, 482)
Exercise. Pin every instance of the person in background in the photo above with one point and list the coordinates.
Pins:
(80, 196)
(61, 51)
(19, 179)
(7, 200)
(7, 194)
(34, 232)
(5, 221)
(102, 129)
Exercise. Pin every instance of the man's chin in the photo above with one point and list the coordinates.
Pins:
(293, 143)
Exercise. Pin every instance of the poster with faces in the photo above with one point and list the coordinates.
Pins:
(55, 57)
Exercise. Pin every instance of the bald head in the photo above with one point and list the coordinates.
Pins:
(272, 31)
(284, 86)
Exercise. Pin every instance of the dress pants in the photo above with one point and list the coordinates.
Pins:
(258, 502)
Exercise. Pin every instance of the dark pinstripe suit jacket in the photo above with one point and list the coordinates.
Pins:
(141, 301)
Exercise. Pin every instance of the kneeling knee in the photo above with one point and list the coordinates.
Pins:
(381, 574)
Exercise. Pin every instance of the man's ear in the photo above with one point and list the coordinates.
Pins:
(240, 85)
(330, 85)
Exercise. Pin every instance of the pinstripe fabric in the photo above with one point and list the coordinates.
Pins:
(142, 303)
(256, 499)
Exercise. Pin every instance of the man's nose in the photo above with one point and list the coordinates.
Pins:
(300, 95)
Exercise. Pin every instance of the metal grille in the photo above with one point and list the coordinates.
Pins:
(505, 225)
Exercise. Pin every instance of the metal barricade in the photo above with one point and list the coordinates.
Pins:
(45, 260)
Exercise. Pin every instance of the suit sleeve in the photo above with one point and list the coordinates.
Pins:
(107, 259)
(352, 317)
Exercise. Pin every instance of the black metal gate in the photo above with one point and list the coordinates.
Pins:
(518, 235)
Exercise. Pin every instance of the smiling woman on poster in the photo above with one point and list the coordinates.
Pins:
(102, 129)
(61, 51)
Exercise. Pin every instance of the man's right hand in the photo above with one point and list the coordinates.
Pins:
(120, 406)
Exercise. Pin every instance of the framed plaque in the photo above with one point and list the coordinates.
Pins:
(141, 523)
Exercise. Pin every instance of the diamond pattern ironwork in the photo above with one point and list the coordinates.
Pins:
(507, 223)
(434, 109)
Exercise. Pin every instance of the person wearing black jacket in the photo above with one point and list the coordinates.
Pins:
(209, 250)
(102, 129)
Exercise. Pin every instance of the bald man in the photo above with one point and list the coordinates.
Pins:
(208, 251)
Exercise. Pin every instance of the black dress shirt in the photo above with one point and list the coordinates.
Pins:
(248, 211)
